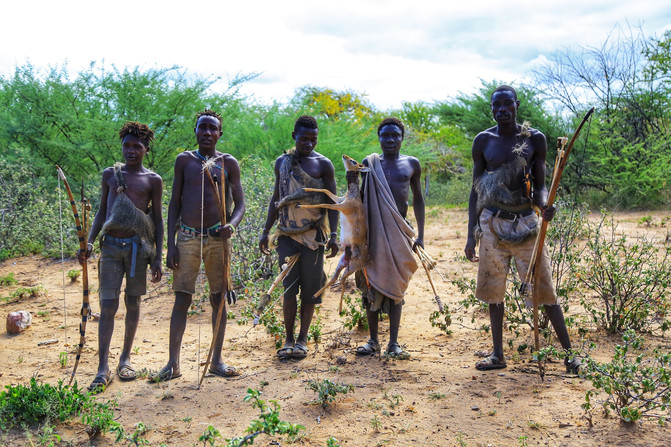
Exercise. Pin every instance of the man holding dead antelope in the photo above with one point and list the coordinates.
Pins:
(301, 231)
(386, 189)
(508, 183)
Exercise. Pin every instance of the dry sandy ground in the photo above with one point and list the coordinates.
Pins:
(507, 407)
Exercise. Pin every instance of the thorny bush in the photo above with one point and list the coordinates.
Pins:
(636, 384)
(631, 277)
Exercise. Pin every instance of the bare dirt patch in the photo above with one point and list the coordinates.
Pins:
(435, 398)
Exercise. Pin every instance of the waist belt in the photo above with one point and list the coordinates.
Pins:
(507, 215)
(124, 242)
(195, 232)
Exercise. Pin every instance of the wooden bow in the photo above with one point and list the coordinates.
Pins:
(81, 233)
(534, 264)
(221, 203)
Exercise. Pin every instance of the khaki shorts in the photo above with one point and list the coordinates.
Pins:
(115, 262)
(184, 277)
(495, 259)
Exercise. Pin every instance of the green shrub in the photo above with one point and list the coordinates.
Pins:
(23, 405)
(24, 292)
(74, 274)
(636, 384)
(269, 421)
(454, 192)
(30, 212)
(354, 313)
(8, 280)
(250, 264)
(327, 391)
(441, 320)
(98, 417)
(137, 437)
(630, 277)
(315, 331)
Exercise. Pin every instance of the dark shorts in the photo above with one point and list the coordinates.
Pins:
(308, 273)
(115, 262)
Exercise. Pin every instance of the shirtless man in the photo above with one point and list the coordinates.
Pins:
(402, 174)
(301, 230)
(503, 154)
(132, 237)
(184, 218)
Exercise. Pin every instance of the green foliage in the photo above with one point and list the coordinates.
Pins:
(136, 438)
(271, 317)
(75, 122)
(209, 436)
(22, 405)
(315, 331)
(630, 276)
(637, 382)
(46, 436)
(567, 227)
(454, 191)
(472, 113)
(74, 274)
(332, 442)
(269, 421)
(24, 292)
(631, 175)
(251, 264)
(442, 320)
(29, 214)
(63, 359)
(327, 391)
(354, 313)
(626, 161)
(98, 417)
(8, 280)
(375, 424)
(545, 353)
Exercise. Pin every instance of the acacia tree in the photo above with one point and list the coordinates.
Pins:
(74, 122)
(626, 163)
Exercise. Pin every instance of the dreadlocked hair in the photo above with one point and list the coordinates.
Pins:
(307, 121)
(209, 112)
(394, 122)
(138, 130)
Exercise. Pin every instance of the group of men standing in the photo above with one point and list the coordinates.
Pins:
(196, 233)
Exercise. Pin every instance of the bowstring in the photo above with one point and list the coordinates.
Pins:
(202, 211)
(60, 220)
(574, 203)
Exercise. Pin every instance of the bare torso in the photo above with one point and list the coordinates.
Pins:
(192, 191)
(399, 172)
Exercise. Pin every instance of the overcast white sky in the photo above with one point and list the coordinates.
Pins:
(392, 51)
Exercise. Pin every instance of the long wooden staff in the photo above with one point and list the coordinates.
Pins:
(86, 307)
(534, 265)
(221, 204)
